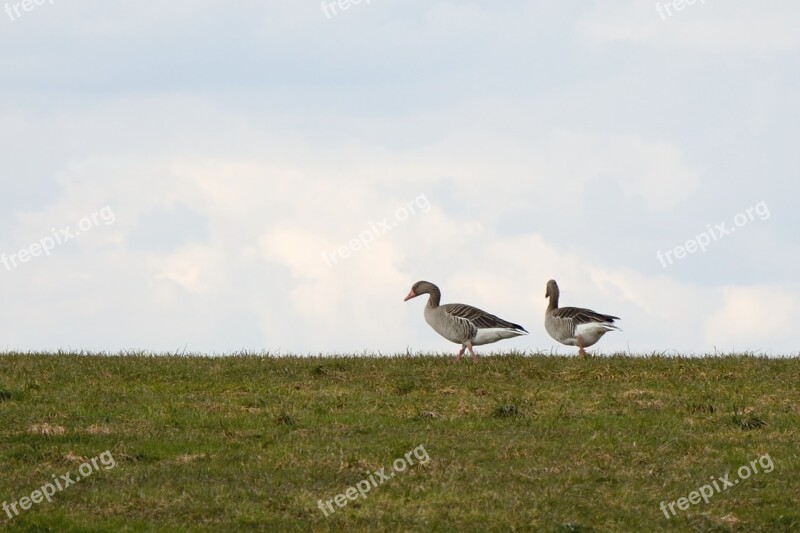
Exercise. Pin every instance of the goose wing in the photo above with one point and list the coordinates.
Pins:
(578, 315)
(479, 318)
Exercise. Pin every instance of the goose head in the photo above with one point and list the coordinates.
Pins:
(552, 289)
(421, 287)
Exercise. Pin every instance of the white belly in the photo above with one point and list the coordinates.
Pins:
(590, 333)
(489, 335)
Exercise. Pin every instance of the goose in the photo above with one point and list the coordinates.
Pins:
(462, 324)
(574, 326)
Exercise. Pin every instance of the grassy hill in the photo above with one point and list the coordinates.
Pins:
(513, 443)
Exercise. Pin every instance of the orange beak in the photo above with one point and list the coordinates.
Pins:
(410, 295)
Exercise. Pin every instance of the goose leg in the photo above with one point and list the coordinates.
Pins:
(474, 357)
(461, 352)
(581, 351)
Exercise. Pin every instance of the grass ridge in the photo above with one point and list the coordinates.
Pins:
(517, 442)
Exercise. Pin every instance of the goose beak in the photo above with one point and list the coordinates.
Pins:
(410, 295)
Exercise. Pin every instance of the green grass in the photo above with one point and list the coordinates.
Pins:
(515, 443)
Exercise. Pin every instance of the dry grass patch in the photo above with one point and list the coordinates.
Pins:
(190, 457)
(74, 458)
(96, 429)
(643, 399)
(47, 429)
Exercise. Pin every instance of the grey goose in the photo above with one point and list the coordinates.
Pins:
(463, 324)
(574, 326)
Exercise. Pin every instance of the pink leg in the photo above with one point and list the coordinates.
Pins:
(460, 352)
(472, 352)
(581, 351)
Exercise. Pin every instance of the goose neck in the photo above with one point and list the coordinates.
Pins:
(553, 302)
(434, 298)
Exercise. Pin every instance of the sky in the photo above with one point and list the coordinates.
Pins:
(274, 175)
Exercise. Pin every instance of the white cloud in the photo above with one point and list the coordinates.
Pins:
(754, 318)
(655, 173)
(540, 157)
(704, 27)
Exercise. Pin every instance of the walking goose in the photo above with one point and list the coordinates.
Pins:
(574, 326)
(462, 324)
